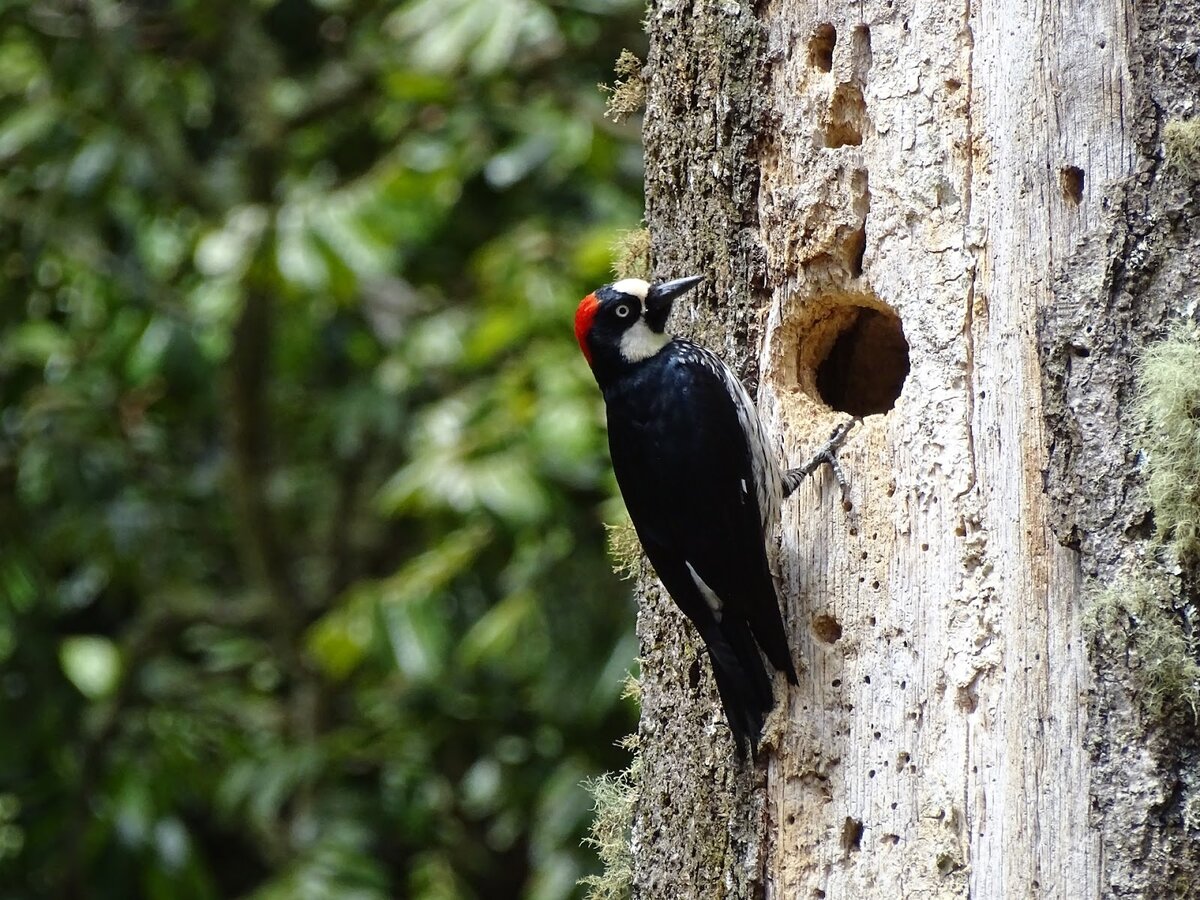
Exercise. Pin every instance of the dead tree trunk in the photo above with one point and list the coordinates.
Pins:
(955, 220)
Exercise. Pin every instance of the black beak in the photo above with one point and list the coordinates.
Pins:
(660, 297)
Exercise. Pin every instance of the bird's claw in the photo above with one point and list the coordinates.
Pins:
(827, 454)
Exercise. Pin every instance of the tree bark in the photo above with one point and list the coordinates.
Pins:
(990, 174)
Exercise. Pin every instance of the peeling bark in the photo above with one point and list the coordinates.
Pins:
(991, 175)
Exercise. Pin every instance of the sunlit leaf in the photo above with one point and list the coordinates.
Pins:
(34, 342)
(482, 36)
(92, 663)
(25, 127)
(147, 356)
(230, 248)
(501, 631)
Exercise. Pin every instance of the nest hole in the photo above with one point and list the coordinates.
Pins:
(854, 356)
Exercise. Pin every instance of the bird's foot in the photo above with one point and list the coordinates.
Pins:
(826, 454)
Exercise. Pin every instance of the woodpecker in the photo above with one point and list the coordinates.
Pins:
(702, 486)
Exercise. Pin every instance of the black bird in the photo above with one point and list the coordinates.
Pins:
(701, 485)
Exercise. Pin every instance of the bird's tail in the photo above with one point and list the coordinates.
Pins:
(742, 681)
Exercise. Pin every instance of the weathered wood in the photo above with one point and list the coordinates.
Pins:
(991, 173)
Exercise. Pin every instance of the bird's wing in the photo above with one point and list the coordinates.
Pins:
(687, 473)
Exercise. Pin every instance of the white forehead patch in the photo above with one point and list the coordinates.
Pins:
(634, 287)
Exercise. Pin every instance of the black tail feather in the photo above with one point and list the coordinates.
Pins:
(742, 681)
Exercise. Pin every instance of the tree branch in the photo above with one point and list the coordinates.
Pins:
(248, 424)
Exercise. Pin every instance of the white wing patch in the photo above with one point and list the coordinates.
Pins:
(639, 342)
(634, 287)
(710, 597)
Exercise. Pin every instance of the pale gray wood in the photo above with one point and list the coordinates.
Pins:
(955, 740)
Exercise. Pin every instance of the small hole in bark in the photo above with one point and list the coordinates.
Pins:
(820, 47)
(1082, 352)
(892, 839)
(847, 117)
(852, 832)
(856, 249)
(953, 84)
(853, 355)
(837, 682)
(1071, 180)
(866, 679)
(827, 629)
(967, 699)
(947, 864)
(860, 40)
(694, 674)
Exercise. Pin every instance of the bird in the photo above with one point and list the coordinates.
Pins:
(702, 486)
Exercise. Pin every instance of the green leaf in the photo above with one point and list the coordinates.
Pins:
(408, 601)
(500, 631)
(35, 343)
(26, 127)
(91, 663)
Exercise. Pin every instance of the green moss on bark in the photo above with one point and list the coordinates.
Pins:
(614, 796)
(1131, 622)
(1181, 145)
(631, 254)
(1168, 406)
(627, 95)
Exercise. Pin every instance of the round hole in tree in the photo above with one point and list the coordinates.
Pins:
(852, 354)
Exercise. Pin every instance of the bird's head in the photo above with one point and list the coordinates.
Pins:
(625, 322)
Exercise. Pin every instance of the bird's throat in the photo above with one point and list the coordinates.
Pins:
(639, 342)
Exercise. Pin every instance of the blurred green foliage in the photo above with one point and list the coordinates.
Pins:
(302, 579)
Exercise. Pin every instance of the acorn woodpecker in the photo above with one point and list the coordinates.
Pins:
(701, 484)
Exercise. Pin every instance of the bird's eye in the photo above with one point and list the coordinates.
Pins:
(622, 311)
